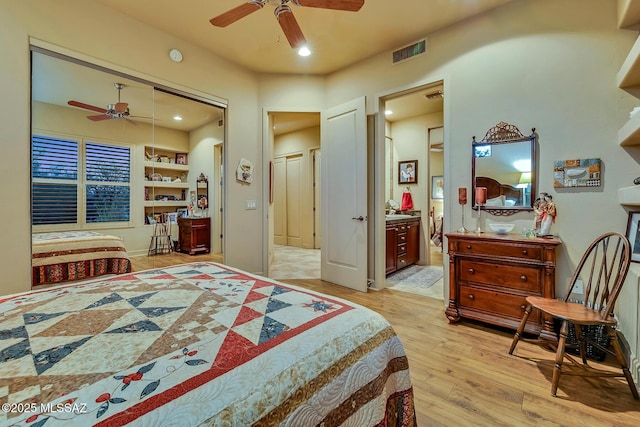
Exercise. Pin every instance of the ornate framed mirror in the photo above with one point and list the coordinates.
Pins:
(504, 162)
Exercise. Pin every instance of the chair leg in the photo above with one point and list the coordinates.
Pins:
(613, 335)
(557, 369)
(518, 334)
(582, 342)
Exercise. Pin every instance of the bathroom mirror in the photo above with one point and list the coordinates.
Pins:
(504, 162)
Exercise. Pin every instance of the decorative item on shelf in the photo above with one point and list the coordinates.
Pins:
(181, 158)
(244, 172)
(166, 179)
(156, 177)
(462, 201)
(481, 199)
(545, 212)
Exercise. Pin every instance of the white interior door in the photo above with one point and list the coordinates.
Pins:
(279, 201)
(317, 224)
(344, 195)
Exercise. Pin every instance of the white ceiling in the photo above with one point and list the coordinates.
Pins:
(336, 38)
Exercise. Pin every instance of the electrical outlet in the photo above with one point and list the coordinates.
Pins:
(578, 287)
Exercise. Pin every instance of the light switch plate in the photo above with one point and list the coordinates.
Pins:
(251, 204)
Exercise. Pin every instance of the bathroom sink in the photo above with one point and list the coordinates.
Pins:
(398, 216)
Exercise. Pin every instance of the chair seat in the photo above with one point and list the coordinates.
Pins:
(577, 313)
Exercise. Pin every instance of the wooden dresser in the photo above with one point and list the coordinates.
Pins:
(490, 275)
(194, 235)
(402, 243)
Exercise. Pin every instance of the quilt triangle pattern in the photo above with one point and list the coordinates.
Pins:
(109, 329)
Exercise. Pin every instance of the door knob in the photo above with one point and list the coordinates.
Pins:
(360, 218)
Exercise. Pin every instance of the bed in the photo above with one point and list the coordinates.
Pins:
(74, 255)
(198, 344)
(500, 194)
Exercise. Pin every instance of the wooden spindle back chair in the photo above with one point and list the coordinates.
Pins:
(588, 303)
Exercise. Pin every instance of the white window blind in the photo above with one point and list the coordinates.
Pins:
(57, 182)
(54, 194)
(107, 174)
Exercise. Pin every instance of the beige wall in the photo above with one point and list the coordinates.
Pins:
(82, 28)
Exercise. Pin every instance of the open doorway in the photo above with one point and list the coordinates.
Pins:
(414, 184)
(295, 230)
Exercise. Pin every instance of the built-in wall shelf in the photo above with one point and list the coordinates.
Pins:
(159, 203)
(628, 13)
(629, 134)
(629, 74)
(629, 196)
(166, 166)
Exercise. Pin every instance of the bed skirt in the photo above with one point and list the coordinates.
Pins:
(79, 270)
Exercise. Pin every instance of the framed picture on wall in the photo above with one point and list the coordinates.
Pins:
(182, 158)
(437, 187)
(408, 172)
(633, 234)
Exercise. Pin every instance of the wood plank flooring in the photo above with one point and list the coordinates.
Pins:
(462, 374)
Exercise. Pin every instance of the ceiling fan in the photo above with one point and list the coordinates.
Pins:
(119, 110)
(284, 15)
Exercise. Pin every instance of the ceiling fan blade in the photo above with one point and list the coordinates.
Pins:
(99, 117)
(237, 13)
(87, 106)
(348, 5)
(121, 107)
(290, 26)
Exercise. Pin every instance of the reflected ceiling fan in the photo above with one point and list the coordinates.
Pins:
(119, 110)
(284, 15)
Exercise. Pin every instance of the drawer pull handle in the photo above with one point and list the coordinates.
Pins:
(523, 278)
(468, 246)
(472, 297)
(525, 252)
(472, 271)
(523, 307)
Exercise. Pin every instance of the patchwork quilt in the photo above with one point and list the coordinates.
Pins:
(73, 255)
(198, 344)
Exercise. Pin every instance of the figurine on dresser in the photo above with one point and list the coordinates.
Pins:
(545, 214)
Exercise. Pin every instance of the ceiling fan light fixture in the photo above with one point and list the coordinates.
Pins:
(304, 51)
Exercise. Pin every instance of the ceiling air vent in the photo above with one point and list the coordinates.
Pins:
(410, 51)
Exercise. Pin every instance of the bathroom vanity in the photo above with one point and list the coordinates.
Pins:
(403, 241)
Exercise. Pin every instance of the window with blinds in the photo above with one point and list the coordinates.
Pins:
(57, 182)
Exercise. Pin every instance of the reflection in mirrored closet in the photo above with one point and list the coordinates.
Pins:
(114, 162)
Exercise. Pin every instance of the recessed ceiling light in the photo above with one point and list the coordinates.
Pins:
(388, 112)
(304, 51)
(177, 118)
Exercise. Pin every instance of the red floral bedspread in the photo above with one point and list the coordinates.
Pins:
(74, 255)
(193, 344)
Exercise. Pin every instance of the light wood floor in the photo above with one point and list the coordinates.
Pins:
(462, 374)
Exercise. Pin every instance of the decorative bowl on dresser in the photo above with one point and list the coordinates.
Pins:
(491, 274)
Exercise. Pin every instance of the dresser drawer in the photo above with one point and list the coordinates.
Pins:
(523, 278)
(402, 261)
(402, 248)
(523, 251)
(495, 302)
(402, 227)
(402, 237)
